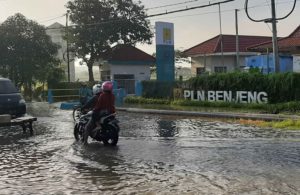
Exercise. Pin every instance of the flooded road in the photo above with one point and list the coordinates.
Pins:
(155, 155)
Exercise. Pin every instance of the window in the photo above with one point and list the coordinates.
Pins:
(6, 87)
(220, 69)
(105, 75)
(124, 76)
(200, 70)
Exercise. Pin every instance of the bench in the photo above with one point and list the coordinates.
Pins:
(25, 122)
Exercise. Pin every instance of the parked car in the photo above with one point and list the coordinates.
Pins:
(11, 101)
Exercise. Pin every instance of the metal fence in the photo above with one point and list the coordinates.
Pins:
(57, 95)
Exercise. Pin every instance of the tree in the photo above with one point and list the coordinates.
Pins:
(99, 24)
(180, 56)
(27, 53)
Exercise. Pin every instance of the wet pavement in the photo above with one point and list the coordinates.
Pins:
(155, 155)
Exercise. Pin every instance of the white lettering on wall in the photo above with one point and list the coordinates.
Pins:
(252, 97)
(219, 95)
(243, 97)
(262, 97)
(211, 96)
(186, 94)
(201, 95)
(227, 96)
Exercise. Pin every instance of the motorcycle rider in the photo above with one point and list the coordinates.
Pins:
(97, 90)
(84, 93)
(104, 106)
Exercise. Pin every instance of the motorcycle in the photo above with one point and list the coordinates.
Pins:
(106, 130)
(78, 112)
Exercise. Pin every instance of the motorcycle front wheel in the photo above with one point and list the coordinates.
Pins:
(112, 136)
(77, 134)
(76, 113)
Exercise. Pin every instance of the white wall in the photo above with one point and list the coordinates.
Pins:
(210, 62)
(296, 63)
(229, 62)
(57, 38)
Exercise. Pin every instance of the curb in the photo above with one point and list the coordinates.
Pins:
(229, 115)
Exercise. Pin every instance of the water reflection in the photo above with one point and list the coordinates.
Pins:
(156, 154)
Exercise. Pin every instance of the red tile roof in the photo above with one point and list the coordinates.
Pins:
(284, 44)
(129, 53)
(229, 44)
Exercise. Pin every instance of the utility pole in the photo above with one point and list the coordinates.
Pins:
(275, 41)
(67, 40)
(237, 46)
(221, 36)
(272, 20)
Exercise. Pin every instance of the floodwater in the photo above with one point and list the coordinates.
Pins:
(155, 155)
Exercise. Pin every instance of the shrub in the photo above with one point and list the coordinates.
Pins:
(158, 89)
(140, 100)
(280, 87)
(266, 108)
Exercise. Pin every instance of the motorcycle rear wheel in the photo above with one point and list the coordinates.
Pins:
(113, 137)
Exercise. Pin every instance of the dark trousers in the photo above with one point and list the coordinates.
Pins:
(91, 125)
(88, 128)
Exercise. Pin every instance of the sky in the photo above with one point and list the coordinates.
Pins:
(190, 27)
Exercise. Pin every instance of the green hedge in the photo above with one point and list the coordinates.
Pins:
(282, 87)
(140, 100)
(290, 107)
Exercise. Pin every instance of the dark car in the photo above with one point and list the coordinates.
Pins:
(11, 101)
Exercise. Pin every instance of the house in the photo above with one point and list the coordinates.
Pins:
(56, 33)
(126, 65)
(207, 56)
(288, 46)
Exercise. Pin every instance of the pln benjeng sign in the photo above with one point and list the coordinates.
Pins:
(227, 96)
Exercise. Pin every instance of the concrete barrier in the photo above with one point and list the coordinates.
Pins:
(68, 105)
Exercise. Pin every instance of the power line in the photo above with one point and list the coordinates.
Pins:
(191, 8)
(170, 5)
(52, 18)
(269, 19)
(174, 4)
(153, 15)
(228, 10)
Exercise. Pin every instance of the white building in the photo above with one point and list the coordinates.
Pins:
(56, 32)
(126, 65)
(207, 56)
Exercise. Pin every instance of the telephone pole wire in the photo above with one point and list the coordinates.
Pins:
(221, 36)
(67, 40)
(275, 41)
(237, 44)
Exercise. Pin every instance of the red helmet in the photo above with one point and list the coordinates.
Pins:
(107, 86)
